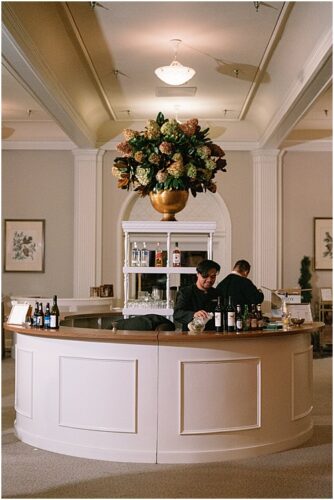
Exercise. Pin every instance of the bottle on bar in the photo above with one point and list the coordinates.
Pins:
(246, 319)
(54, 314)
(219, 313)
(176, 260)
(238, 319)
(158, 256)
(35, 316)
(144, 256)
(40, 319)
(260, 322)
(253, 318)
(47, 316)
(135, 255)
(230, 316)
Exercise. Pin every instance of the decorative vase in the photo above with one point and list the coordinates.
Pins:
(169, 203)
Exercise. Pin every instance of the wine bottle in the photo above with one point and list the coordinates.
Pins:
(176, 261)
(219, 313)
(158, 256)
(260, 322)
(230, 316)
(135, 255)
(144, 256)
(253, 318)
(246, 319)
(40, 320)
(54, 314)
(35, 316)
(238, 319)
(47, 317)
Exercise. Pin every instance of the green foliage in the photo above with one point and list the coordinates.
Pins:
(305, 279)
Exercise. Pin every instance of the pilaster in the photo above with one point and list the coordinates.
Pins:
(87, 258)
(265, 220)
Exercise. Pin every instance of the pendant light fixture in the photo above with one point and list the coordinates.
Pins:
(175, 73)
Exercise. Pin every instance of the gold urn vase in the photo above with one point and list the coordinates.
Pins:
(169, 203)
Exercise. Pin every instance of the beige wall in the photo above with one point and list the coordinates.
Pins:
(307, 193)
(39, 185)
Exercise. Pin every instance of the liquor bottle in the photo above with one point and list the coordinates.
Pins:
(144, 256)
(260, 322)
(246, 319)
(285, 314)
(35, 316)
(219, 315)
(47, 316)
(158, 256)
(40, 318)
(238, 319)
(253, 318)
(54, 314)
(135, 255)
(230, 316)
(176, 261)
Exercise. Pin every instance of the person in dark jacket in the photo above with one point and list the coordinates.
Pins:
(238, 286)
(200, 298)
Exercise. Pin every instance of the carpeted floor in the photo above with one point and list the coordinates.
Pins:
(304, 472)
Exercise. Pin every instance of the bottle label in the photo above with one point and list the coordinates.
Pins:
(53, 321)
(176, 259)
(47, 322)
(253, 324)
(218, 319)
(158, 259)
(230, 318)
(239, 324)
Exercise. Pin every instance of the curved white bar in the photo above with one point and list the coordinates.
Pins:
(172, 400)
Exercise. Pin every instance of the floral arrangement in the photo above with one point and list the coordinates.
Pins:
(168, 155)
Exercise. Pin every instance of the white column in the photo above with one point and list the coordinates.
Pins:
(87, 220)
(265, 220)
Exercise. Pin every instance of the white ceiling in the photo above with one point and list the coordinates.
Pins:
(82, 71)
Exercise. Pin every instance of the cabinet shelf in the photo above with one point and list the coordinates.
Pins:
(159, 270)
(168, 231)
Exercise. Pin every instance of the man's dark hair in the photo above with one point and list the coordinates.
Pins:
(205, 265)
(242, 265)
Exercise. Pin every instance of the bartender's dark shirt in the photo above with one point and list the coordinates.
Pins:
(241, 289)
(190, 299)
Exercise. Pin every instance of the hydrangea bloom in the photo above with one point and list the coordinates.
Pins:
(168, 155)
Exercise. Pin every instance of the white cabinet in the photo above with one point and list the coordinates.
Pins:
(167, 233)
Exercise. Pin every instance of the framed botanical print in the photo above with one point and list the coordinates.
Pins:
(24, 245)
(323, 244)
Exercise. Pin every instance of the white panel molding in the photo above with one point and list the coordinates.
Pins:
(24, 382)
(243, 362)
(109, 397)
(308, 355)
(87, 262)
(265, 219)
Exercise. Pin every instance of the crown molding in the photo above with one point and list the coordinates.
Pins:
(313, 79)
(38, 145)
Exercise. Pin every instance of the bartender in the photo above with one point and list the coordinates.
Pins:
(200, 298)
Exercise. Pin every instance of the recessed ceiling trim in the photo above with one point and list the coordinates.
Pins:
(284, 14)
(88, 60)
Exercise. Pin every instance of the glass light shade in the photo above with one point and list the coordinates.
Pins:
(175, 73)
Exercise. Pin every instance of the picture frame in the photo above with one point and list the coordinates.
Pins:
(323, 244)
(24, 245)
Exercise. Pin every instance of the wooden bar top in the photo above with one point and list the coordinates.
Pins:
(100, 335)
